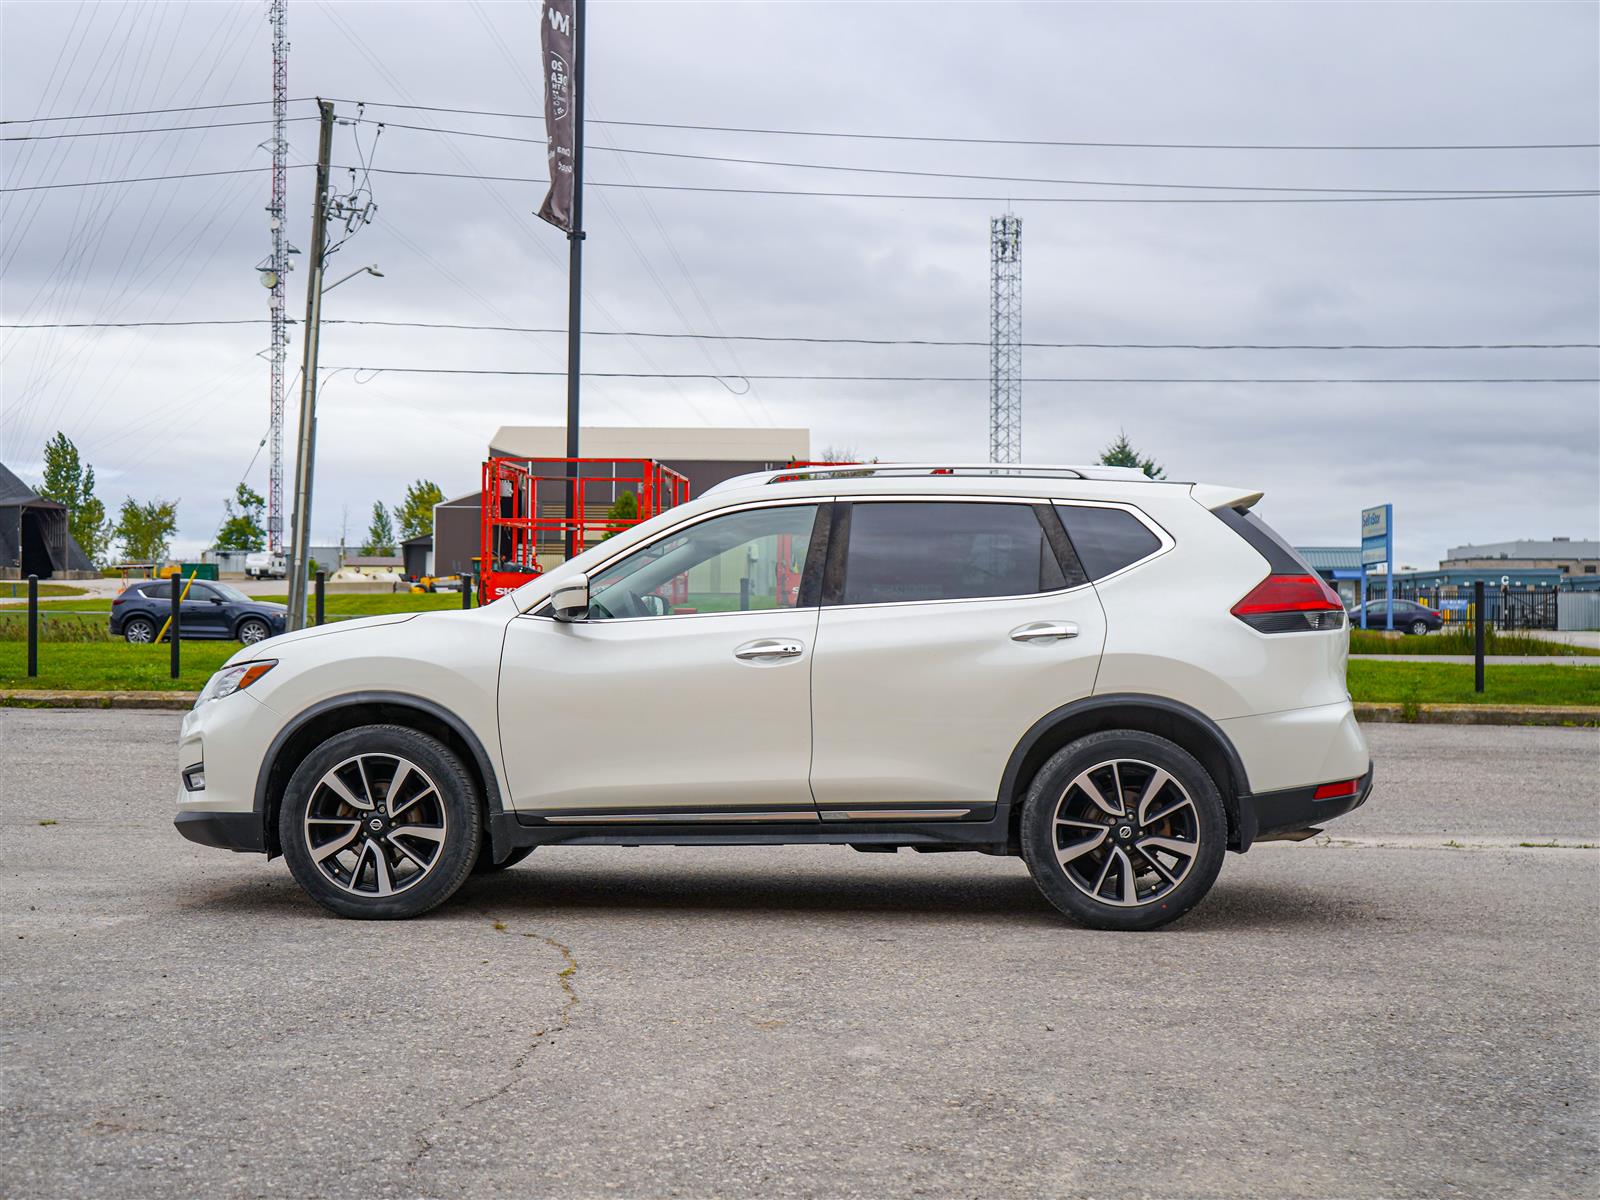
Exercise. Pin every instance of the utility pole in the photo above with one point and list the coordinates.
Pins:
(278, 265)
(308, 384)
(580, 32)
(1005, 339)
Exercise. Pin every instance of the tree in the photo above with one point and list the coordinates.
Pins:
(625, 508)
(70, 482)
(380, 534)
(1122, 454)
(145, 529)
(242, 530)
(415, 512)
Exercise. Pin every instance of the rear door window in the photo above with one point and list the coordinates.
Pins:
(157, 591)
(906, 551)
(1107, 539)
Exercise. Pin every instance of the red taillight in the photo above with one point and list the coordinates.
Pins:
(118, 601)
(1337, 791)
(1290, 604)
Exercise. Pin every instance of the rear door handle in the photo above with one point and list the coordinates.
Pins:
(1044, 631)
(769, 650)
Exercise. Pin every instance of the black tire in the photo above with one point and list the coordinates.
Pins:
(139, 630)
(453, 800)
(252, 630)
(1057, 789)
(487, 866)
(1419, 627)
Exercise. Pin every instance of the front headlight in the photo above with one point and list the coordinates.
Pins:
(233, 679)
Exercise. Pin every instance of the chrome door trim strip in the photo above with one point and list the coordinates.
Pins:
(657, 818)
(894, 814)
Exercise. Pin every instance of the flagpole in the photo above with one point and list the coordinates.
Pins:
(580, 34)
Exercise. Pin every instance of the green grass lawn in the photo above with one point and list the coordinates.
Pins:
(111, 666)
(1451, 683)
(1372, 641)
(13, 589)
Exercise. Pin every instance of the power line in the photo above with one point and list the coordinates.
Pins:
(143, 112)
(373, 371)
(832, 341)
(989, 177)
(735, 191)
(97, 133)
(977, 141)
(44, 187)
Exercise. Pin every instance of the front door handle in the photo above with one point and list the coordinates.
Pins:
(769, 650)
(1044, 631)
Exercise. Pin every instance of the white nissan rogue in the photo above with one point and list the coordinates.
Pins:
(1115, 678)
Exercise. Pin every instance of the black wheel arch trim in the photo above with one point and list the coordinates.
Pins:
(481, 759)
(1237, 785)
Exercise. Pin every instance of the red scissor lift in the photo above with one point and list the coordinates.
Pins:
(524, 507)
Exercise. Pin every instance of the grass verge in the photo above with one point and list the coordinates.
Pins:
(1372, 641)
(111, 666)
(13, 589)
(1411, 684)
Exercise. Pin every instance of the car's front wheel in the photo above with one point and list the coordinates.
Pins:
(1123, 830)
(380, 822)
(139, 630)
(253, 630)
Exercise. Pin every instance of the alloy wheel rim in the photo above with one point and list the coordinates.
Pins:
(252, 633)
(1126, 833)
(140, 632)
(375, 825)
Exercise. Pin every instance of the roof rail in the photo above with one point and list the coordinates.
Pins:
(968, 470)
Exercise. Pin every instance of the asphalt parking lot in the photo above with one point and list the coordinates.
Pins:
(1407, 1010)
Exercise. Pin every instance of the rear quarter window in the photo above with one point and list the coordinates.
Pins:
(1106, 539)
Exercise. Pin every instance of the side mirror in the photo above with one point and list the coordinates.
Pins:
(570, 600)
(216, 599)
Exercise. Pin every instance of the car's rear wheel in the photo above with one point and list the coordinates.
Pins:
(380, 822)
(1123, 830)
(1419, 627)
(139, 630)
(253, 630)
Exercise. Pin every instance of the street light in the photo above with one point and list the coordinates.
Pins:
(306, 460)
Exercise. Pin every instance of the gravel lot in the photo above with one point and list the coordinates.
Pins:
(1377, 1016)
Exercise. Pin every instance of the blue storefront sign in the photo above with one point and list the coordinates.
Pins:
(1377, 547)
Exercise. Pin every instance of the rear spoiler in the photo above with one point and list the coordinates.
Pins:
(1214, 496)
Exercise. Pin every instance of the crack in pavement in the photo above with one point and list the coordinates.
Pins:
(540, 1037)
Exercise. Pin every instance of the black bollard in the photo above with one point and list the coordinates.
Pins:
(322, 591)
(33, 626)
(466, 591)
(174, 625)
(1477, 635)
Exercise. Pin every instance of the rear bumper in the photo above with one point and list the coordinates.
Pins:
(1294, 809)
(239, 831)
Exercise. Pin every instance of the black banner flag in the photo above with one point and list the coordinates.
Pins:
(557, 36)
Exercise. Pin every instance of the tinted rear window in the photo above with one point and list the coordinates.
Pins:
(1106, 539)
(931, 550)
(1279, 554)
(157, 591)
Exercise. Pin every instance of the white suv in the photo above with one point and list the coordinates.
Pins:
(1115, 678)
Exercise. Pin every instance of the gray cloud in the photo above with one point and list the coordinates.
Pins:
(180, 412)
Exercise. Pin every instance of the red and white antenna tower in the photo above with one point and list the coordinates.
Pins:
(277, 267)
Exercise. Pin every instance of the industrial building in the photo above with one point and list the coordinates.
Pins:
(33, 535)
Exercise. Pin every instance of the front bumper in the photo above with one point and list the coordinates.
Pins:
(1294, 809)
(239, 831)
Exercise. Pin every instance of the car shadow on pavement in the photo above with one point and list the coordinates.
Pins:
(988, 896)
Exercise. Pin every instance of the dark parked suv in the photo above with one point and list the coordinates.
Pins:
(210, 610)
(1409, 616)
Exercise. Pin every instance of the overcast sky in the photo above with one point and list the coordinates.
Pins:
(180, 412)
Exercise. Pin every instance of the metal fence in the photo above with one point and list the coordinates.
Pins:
(1505, 608)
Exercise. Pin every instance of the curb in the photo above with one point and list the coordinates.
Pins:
(1370, 713)
(1475, 714)
(158, 701)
